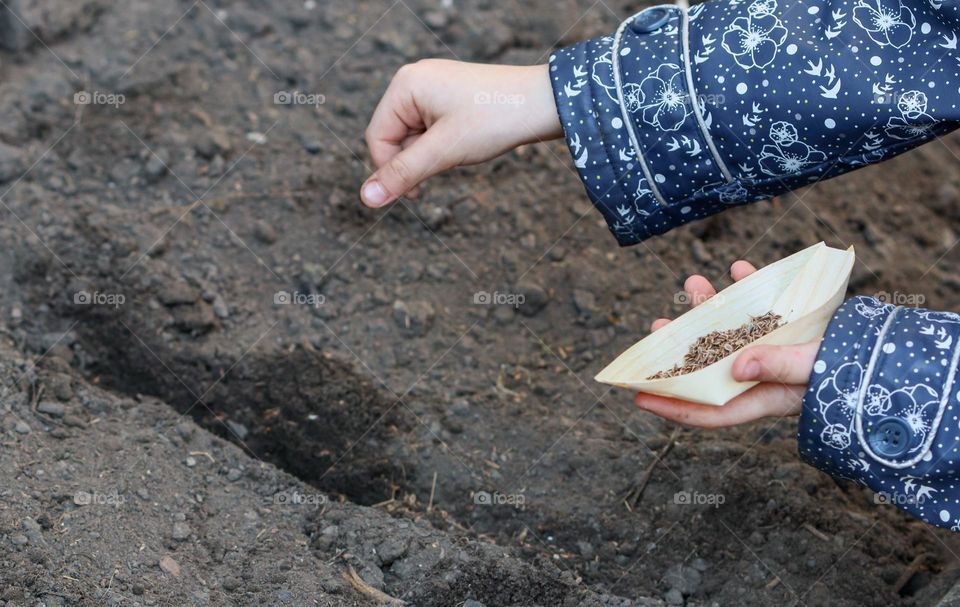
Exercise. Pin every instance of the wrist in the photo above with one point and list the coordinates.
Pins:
(540, 109)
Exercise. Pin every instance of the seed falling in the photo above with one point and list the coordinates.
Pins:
(716, 345)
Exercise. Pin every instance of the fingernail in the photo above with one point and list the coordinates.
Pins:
(374, 194)
(750, 370)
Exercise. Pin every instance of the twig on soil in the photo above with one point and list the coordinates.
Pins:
(210, 457)
(433, 489)
(912, 569)
(364, 588)
(820, 535)
(635, 493)
(503, 389)
(35, 399)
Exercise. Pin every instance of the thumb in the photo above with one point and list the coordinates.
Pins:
(427, 156)
(780, 364)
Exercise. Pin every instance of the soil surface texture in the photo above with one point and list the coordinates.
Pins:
(225, 382)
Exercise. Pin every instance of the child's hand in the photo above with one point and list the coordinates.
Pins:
(438, 114)
(783, 371)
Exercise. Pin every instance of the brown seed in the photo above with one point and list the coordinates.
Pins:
(717, 345)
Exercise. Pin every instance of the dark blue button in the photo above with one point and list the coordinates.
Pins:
(891, 437)
(649, 20)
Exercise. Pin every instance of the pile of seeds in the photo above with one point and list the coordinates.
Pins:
(719, 344)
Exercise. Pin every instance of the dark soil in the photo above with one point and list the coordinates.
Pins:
(447, 450)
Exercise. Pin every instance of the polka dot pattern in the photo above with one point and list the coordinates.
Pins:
(879, 365)
(735, 101)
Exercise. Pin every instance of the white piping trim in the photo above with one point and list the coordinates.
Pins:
(627, 121)
(865, 383)
(685, 44)
(934, 427)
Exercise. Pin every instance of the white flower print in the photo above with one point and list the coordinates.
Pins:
(876, 401)
(887, 22)
(632, 96)
(912, 104)
(664, 98)
(913, 121)
(729, 193)
(836, 436)
(733, 193)
(602, 73)
(753, 40)
(788, 155)
(913, 405)
(841, 398)
(872, 308)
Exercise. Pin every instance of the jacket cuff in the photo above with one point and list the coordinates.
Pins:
(637, 129)
(881, 406)
(583, 86)
(683, 113)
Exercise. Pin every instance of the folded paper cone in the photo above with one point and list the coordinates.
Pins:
(805, 289)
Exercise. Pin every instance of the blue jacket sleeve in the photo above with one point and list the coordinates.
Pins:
(680, 114)
(882, 406)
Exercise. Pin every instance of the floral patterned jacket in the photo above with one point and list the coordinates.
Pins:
(682, 113)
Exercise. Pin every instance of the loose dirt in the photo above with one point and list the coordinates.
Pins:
(243, 372)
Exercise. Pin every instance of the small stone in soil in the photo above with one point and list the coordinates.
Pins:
(170, 566)
(51, 408)
(535, 298)
(673, 597)
(683, 578)
(415, 317)
(264, 232)
(21, 428)
(237, 429)
(220, 308)
(181, 531)
(584, 302)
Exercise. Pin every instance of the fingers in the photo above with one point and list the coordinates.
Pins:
(781, 364)
(405, 170)
(763, 400)
(409, 141)
(698, 289)
(741, 269)
(659, 324)
(395, 120)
